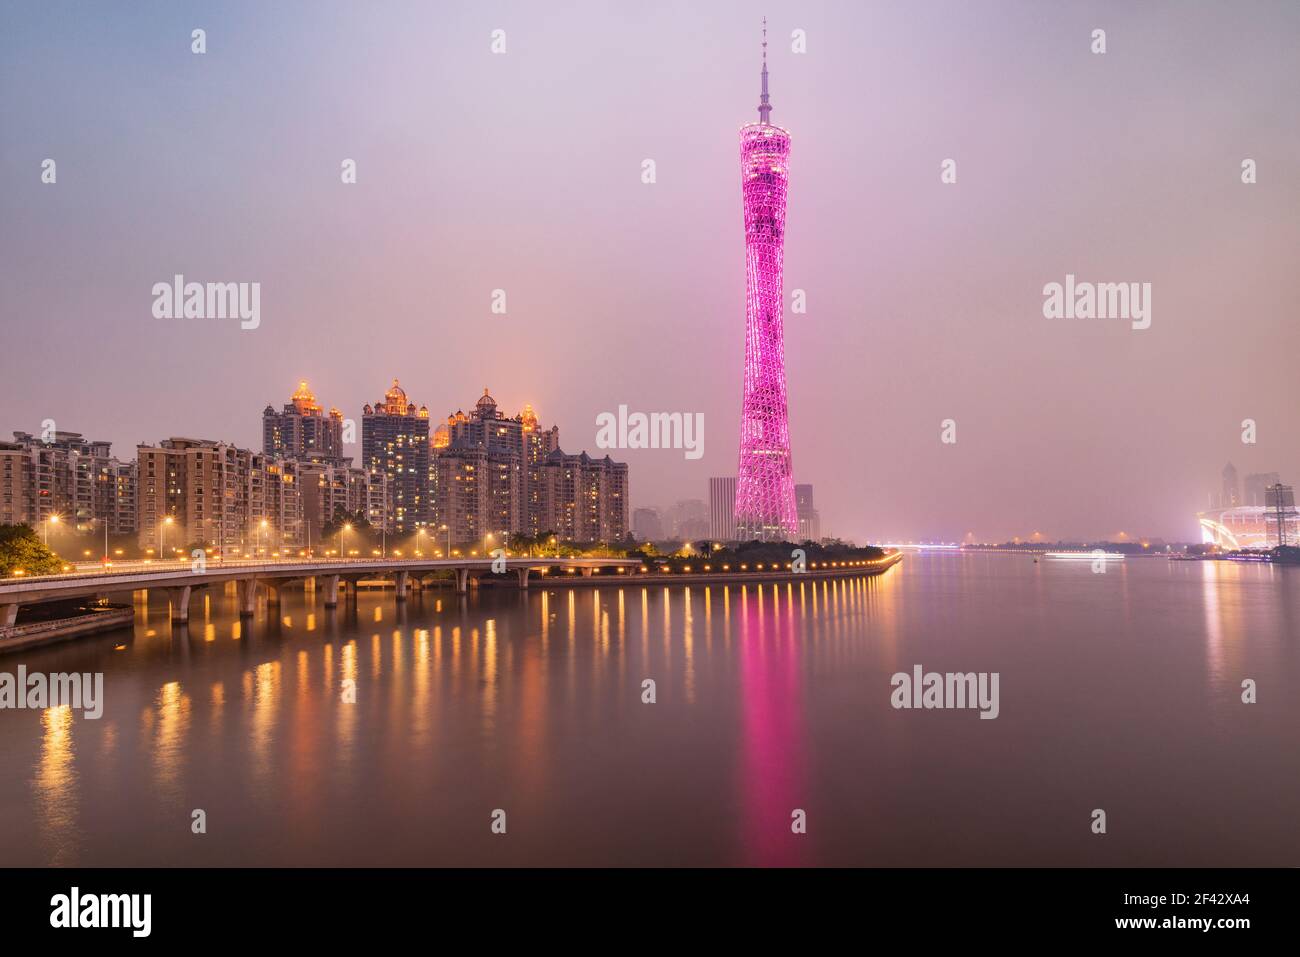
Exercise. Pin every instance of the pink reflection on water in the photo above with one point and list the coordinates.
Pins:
(772, 765)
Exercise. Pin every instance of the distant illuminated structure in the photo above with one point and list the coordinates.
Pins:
(303, 430)
(395, 447)
(765, 507)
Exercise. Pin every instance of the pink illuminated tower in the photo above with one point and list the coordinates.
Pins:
(764, 485)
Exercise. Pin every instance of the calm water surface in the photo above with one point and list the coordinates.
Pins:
(1118, 691)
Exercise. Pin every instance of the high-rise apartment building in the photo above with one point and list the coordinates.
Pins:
(485, 474)
(67, 476)
(198, 491)
(303, 430)
(328, 490)
(395, 445)
(722, 509)
(583, 499)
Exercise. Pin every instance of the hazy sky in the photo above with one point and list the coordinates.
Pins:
(522, 172)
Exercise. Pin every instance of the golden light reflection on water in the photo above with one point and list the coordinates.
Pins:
(55, 787)
(262, 689)
(1221, 603)
(421, 720)
(645, 623)
(622, 632)
(168, 750)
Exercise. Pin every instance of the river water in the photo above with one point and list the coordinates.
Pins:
(1118, 691)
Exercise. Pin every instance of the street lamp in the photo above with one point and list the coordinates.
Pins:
(52, 519)
(447, 529)
(347, 527)
(162, 529)
(261, 531)
(418, 533)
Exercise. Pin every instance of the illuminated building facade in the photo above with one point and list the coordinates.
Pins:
(70, 477)
(202, 492)
(485, 472)
(1246, 526)
(395, 446)
(328, 489)
(583, 499)
(765, 507)
(303, 430)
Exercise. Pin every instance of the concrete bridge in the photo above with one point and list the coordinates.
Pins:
(181, 579)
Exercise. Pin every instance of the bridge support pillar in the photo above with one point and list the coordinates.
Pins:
(8, 615)
(402, 579)
(180, 599)
(331, 585)
(588, 572)
(272, 594)
(247, 597)
(462, 581)
(523, 578)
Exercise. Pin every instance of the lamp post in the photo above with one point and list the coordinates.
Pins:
(261, 535)
(447, 529)
(162, 529)
(418, 533)
(346, 527)
(54, 519)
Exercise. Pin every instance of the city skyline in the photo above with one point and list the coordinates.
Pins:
(923, 298)
(304, 400)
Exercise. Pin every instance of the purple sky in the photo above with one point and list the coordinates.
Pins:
(522, 172)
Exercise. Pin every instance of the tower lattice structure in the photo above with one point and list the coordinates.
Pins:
(765, 505)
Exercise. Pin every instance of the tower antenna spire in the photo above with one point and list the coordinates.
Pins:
(764, 107)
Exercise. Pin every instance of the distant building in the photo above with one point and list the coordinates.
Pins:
(810, 520)
(722, 509)
(395, 445)
(302, 430)
(1247, 526)
(647, 525)
(1256, 486)
(1231, 487)
(199, 491)
(689, 519)
(69, 476)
